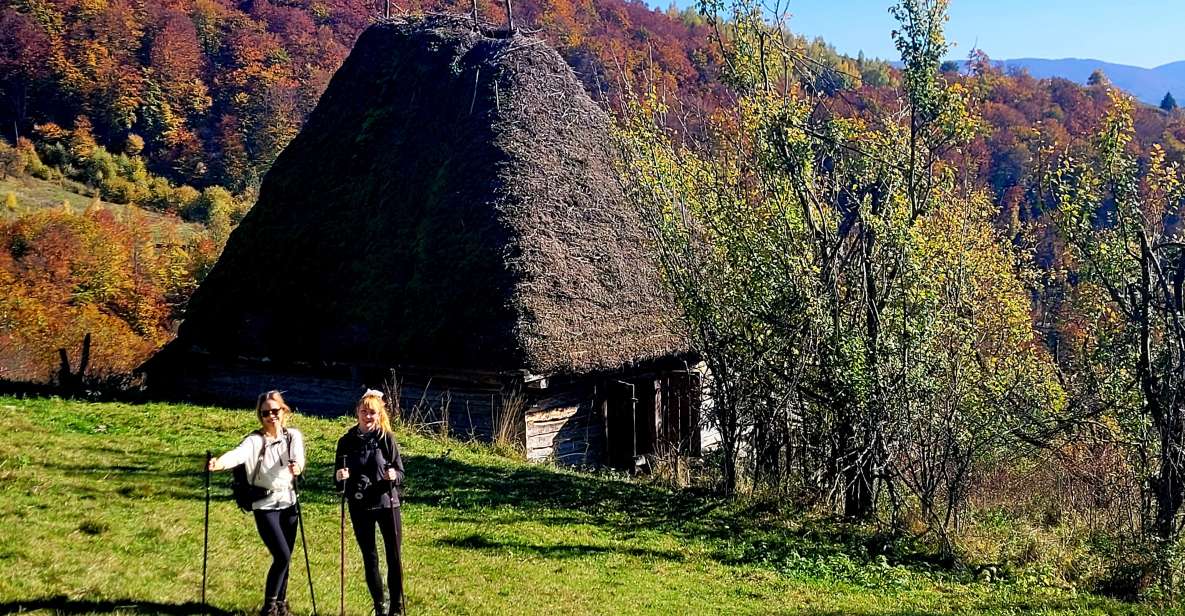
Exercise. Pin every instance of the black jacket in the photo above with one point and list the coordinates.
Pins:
(368, 455)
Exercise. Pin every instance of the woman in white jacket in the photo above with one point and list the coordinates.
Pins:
(274, 456)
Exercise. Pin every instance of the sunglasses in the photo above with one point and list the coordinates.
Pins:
(276, 412)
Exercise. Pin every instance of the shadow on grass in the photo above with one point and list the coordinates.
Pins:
(66, 605)
(467, 492)
(452, 484)
(480, 542)
(734, 534)
(142, 475)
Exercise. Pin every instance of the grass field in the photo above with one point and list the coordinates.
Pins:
(33, 194)
(101, 509)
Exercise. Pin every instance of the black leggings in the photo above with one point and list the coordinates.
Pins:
(390, 522)
(277, 528)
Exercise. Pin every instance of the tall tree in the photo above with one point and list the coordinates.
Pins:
(815, 259)
(1168, 103)
(1118, 216)
(23, 50)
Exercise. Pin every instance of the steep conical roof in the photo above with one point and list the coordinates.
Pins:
(450, 202)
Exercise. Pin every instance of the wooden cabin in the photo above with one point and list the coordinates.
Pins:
(448, 223)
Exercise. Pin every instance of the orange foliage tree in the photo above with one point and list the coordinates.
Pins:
(64, 275)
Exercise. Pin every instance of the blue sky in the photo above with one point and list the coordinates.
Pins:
(1139, 32)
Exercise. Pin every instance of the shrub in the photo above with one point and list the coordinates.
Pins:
(134, 144)
(160, 195)
(118, 190)
(28, 161)
(219, 210)
(10, 160)
(98, 168)
(53, 154)
(184, 198)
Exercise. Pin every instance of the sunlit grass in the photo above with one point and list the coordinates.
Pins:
(101, 510)
(34, 194)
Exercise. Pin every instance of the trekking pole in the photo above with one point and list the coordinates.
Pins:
(206, 534)
(398, 550)
(342, 553)
(305, 545)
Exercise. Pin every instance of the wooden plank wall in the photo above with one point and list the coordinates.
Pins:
(459, 411)
(463, 410)
(678, 412)
(648, 412)
(240, 384)
(567, 426)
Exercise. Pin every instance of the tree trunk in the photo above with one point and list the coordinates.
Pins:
(860, 489)
(1170, 484)
(728, 467)
(855, 467)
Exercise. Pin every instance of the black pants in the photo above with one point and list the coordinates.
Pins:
(277, 528)
(390, 522)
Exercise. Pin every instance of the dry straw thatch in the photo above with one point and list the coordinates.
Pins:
(450, 202)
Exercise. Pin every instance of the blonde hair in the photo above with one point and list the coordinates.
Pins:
(275, 395)
(375, 402)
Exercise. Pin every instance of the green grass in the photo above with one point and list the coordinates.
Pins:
(33, 194)
(101, 508)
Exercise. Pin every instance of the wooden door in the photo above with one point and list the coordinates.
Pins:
(620, 417)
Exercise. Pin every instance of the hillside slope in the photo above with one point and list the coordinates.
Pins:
(484, 535)
(34, 194)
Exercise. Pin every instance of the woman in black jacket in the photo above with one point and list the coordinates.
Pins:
(370, 471)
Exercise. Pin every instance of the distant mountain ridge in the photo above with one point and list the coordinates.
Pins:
(1146, 84)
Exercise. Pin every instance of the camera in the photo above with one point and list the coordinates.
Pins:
(361, 487)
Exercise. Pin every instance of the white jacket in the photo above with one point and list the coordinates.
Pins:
(273, 473)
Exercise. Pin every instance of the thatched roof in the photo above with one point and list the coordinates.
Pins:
(450, 202)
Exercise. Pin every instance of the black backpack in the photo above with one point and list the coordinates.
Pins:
(243, 488)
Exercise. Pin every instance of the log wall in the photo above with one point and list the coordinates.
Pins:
(566, 426)
(565, 422)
